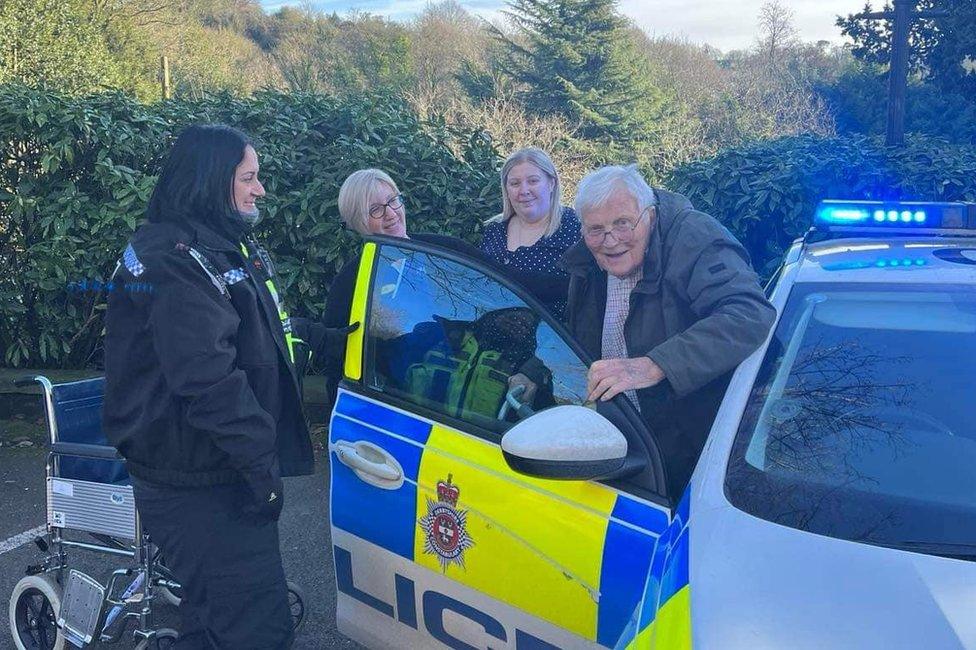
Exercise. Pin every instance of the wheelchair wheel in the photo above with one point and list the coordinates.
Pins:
(34, 607)
(296, 603)
(164, 640)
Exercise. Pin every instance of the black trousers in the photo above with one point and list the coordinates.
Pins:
(228, 563)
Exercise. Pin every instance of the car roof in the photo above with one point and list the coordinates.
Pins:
(944, 260)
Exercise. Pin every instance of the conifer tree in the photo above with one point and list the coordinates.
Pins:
(575, 59)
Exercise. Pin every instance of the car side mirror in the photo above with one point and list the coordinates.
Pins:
(566, 442)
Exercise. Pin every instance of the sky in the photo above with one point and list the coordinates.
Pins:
(725, 24)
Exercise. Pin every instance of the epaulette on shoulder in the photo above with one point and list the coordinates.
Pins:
(216, 277)
(132, 263)
(220, 280)
(229, 278)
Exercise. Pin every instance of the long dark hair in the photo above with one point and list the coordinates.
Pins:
(196, 181)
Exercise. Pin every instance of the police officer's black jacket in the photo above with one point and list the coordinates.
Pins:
(200, 389)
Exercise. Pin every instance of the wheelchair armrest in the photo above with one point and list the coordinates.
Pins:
(79, 450)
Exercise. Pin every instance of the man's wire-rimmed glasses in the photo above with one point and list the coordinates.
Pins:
(622, 229)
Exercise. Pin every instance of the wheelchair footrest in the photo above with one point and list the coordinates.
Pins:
(81, 608)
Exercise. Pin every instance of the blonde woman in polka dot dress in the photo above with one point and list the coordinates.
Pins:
(534, 229)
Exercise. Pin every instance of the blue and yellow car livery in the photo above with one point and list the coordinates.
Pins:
(582, 580)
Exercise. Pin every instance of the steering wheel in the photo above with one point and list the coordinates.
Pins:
(512, 402)
(886, 414)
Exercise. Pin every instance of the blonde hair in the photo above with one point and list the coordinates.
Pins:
(354, 197)
(540, 159)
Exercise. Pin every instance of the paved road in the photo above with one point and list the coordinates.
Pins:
(305, 544)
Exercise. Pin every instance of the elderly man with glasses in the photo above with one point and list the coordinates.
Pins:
(665, 297)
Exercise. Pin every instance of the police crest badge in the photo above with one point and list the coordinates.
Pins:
(445, 526)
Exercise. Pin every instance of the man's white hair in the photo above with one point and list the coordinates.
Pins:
(598, 186)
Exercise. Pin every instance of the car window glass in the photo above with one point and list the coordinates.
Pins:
(861, 424)
(448, 338)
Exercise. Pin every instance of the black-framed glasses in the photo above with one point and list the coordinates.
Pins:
(622, 229)
(377, 211)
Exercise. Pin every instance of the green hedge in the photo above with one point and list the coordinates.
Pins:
(76, 175)
(766, 193)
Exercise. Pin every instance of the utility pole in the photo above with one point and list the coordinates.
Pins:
(902, 16)
(164, 77)
(898, 74)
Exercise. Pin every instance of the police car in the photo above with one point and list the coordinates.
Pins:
(834, 504)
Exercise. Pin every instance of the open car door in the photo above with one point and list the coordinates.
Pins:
(437, 541)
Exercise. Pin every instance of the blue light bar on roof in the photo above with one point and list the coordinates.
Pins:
(895, 215)
(842, 214)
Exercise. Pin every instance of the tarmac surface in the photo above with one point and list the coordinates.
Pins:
(305, 546)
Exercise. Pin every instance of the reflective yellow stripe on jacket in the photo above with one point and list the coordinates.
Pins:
(290, 338)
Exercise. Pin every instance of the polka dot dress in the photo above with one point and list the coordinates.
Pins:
(540, 257)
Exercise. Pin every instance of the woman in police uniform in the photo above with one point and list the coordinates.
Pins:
(202, 396)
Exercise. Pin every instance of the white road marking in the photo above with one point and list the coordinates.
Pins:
(19, 540)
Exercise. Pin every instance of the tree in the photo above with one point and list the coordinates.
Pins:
(941, 95)
(304, 51)
(445, 42)
(321, 53)
(776, 31)
(857, 99)
(207, 49)
(378, 50)
(941, 48)
(715, 103)
(573, 58)
(55, 42)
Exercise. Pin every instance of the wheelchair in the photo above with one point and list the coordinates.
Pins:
(90, 508)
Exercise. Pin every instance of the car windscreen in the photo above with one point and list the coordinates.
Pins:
(862, 422)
